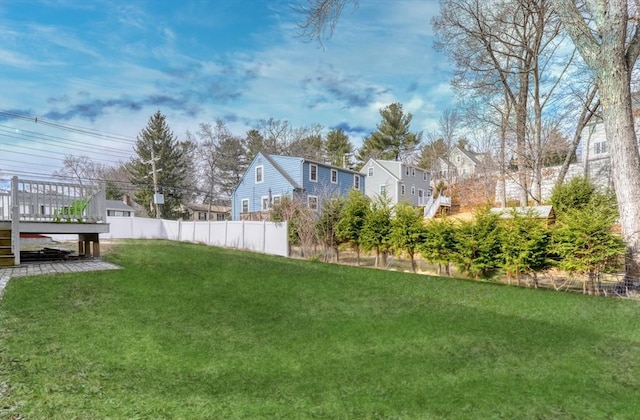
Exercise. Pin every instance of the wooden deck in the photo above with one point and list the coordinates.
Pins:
(39, 207)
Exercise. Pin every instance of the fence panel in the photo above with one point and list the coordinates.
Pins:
(264, 237)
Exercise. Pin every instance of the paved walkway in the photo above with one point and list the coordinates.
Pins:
(55, 267)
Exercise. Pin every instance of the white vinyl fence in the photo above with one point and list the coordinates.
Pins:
(264, 237)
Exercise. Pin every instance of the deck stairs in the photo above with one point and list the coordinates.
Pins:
(435, 206)
(7, 259)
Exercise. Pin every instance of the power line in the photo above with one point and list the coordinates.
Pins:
(53, 140)
(69, 127)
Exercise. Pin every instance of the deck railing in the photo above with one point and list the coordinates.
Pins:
(44, 201)
(433, 205)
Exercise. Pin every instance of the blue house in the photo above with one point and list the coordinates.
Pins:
(269, 178)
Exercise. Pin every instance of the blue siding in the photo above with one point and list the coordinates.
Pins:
(248, 189)
(297, 170)
(323, 186)
(290, 165)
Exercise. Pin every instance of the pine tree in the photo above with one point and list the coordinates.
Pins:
(407, 231)
(339, 148)
(157, 141)
(393, 138)
(377, 229)
(354, 213)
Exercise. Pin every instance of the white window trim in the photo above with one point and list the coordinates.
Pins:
(334, 171)
(356, 182)
(413, 190)
(264, 200)
(242, 205)
(312, 165)
(370, 171)
(413, 171)
(309, 198)
(277, 198)
(261, 167)
(402, 189)
(382, 189)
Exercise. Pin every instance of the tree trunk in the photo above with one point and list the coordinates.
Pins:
(521, 133)
(615, 94)
(586, 114)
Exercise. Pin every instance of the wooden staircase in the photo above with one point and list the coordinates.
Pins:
(7, 259)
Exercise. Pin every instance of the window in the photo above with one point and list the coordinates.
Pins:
(413, 171)
(220, 217)
(118, 213)
(312, 202)
(276, 200)
(600, 147)
(383, 189)
(202, 215)
(406, 170)
(413, 190)
(334, 176)
(401, 189)
(356, 182)
(265, 203)
(370, 173)
(259, 177)
(313, 172)
(424, 176)
(245, 205)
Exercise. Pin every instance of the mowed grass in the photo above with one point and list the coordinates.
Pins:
(189, 331)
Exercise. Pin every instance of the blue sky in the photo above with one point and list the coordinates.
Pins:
(106, 66)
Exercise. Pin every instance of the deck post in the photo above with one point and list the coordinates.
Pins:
(15, 221)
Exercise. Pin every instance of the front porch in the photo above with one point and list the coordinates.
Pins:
(42, 207)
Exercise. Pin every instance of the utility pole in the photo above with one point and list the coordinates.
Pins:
(157, 198)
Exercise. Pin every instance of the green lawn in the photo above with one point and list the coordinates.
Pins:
(189, 331)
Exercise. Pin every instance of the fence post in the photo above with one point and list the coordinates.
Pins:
(264, 236)
(15, 220)
(226, 229)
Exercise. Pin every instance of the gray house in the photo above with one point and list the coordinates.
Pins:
(117, 208)
(399, 181)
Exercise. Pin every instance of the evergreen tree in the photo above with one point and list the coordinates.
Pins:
(524, 242)
(377, 229)
(438, 244)
(477, 244)
(349, 228)
(584, 241)
(574, 194)
(157, 141)
(254, 143)
(339, 148)
(430, 152)
(393, 138)
(407, 231)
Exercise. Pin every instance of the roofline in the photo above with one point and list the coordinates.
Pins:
(382, 166)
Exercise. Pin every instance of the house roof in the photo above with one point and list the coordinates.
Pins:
(381, 164)
(117, 205)
(390, 166)
(282, 171)
(205, 207)
(541, 212)
(473, 156)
